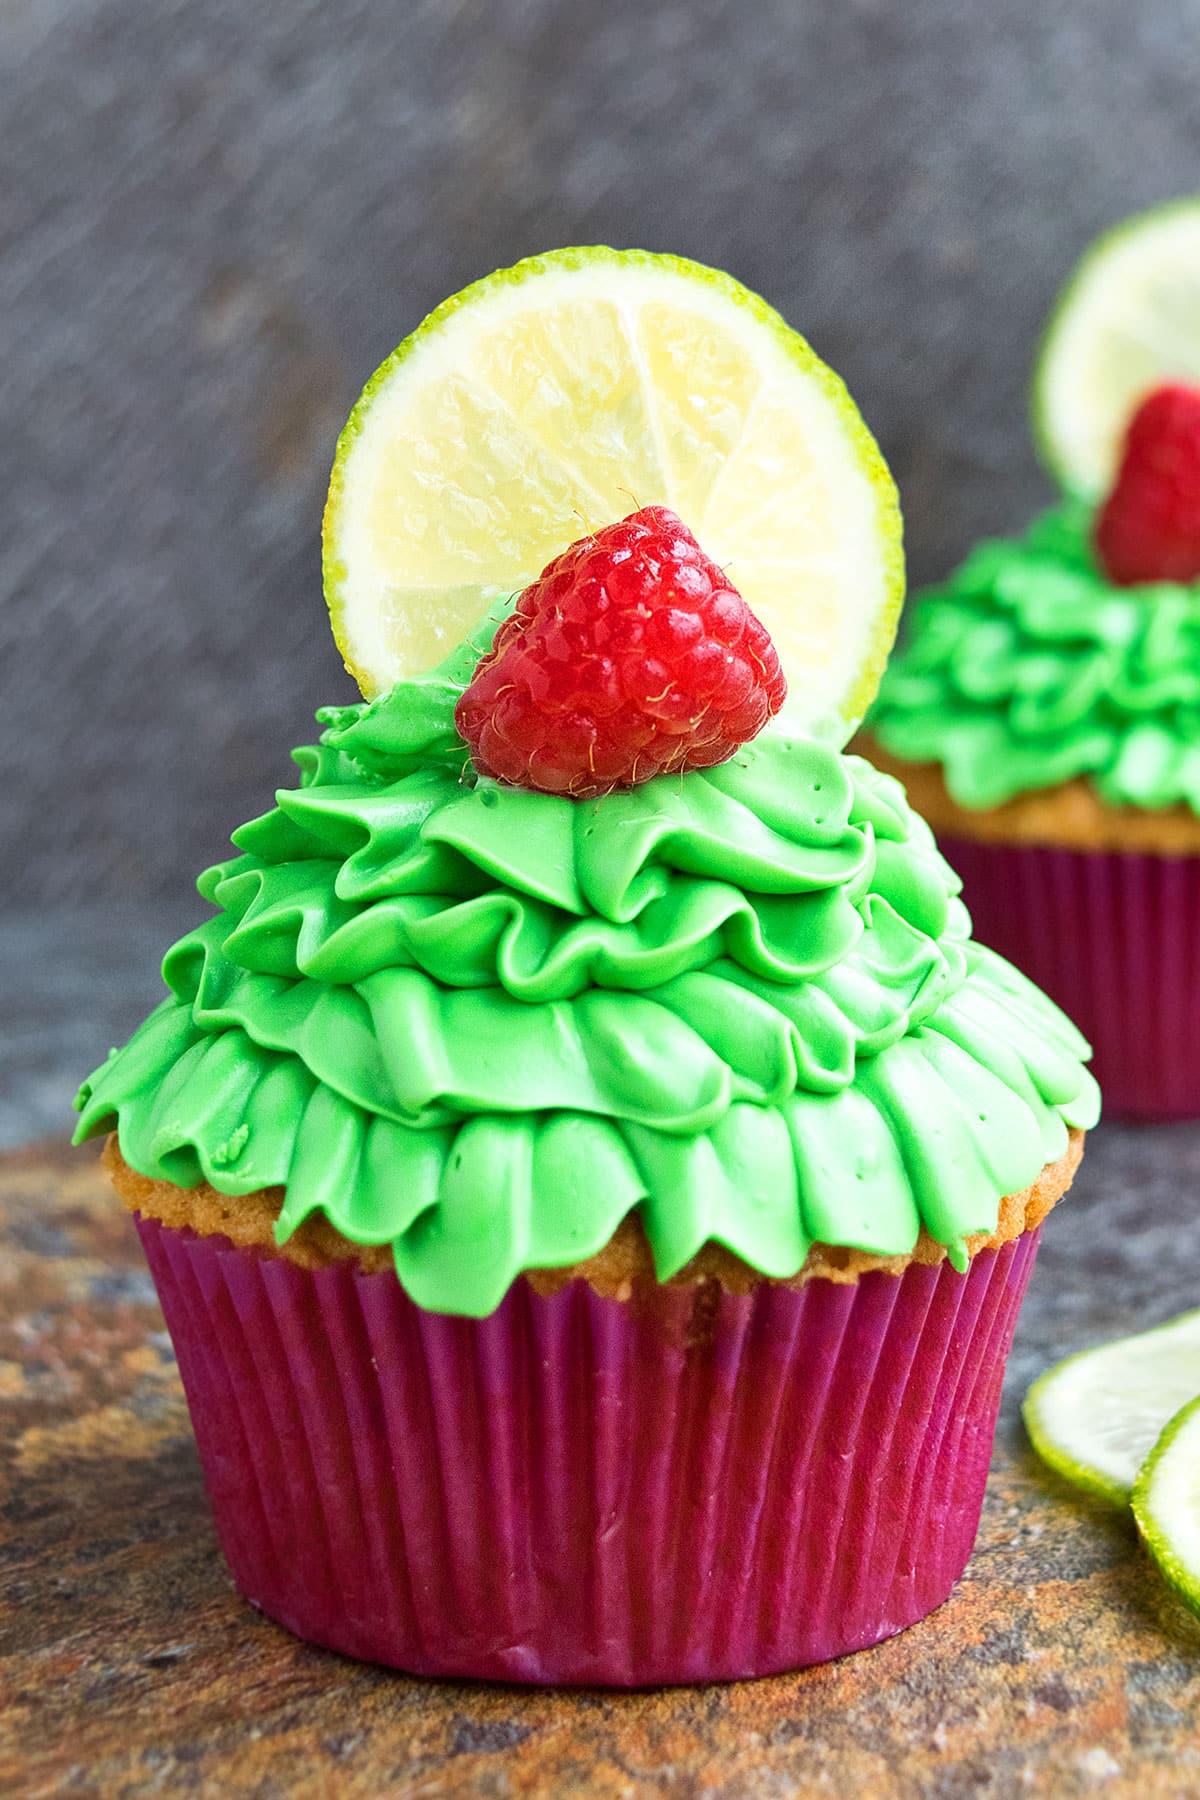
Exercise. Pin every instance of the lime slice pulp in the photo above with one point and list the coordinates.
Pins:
(1127, 321)
(557, 396)
(1096, 1416)
(1166, 1504)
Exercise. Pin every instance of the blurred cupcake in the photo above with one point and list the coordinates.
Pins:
(589, 1170)
(1044, 712)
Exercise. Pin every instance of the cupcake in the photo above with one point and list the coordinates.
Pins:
(589, 1169)
(1044, 713)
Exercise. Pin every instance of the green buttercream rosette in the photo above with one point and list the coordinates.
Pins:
(1028, 668)
(482, 1024)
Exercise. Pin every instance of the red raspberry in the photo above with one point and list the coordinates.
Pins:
(630, 656)
(1149, 527)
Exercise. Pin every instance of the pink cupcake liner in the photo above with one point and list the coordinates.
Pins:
(688, 1486)
(1115, 939)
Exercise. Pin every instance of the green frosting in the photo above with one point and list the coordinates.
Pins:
(482, 1025)
(1028, 668)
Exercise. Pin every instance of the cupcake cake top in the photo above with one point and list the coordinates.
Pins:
(595, 915)
(1074, 651)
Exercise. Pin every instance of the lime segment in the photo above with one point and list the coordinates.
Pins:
(1166, 1504)
(1096, 1416)
(1127, 321)
(555, 397)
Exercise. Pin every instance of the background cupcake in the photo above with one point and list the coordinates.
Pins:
(1045, 710)
(589, 1169)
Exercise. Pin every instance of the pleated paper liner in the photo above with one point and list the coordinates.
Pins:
(688, 1486)
(1115, 939)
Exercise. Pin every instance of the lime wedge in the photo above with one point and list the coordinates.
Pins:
(557, 396)
(1166, 1504)
(1128, 320)
(1096, 1416)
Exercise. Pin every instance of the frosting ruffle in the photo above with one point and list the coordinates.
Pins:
(482, 1024)
(1028, 668)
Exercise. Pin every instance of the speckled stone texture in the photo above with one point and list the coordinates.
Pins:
(217, 219)
(130, 1668)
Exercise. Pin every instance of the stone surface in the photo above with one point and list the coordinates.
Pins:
(74, 982)
(217, 219)
(129, 1667)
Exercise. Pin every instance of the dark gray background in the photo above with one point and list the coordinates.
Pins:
(219, 217)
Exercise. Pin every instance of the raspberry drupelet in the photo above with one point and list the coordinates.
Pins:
(632, 655)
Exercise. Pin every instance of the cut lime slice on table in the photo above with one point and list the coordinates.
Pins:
(1127, 321)
(1166, 1504)
(1096, 1417)
(555, 397)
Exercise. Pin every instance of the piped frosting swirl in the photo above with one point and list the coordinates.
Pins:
(482, 1024)
(1028, 668)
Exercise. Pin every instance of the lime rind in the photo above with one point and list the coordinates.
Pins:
(847, 708)
(1065, 1408)
(1166, 1504)
(1079, 471)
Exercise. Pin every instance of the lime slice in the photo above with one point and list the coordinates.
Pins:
(555, 397)
(1166, 1504)
(1128, 320)
(1096, 1416)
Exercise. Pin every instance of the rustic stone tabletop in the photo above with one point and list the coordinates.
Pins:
(129, 1666)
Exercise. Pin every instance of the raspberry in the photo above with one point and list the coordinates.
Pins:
(1149, 527)
(630, 656)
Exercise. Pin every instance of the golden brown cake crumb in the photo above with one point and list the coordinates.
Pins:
(248, 1221)
(1071, 816)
